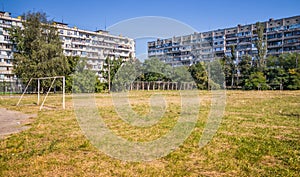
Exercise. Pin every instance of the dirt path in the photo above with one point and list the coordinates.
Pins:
(12, 122)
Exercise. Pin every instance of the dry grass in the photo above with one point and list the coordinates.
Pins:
(259, 136)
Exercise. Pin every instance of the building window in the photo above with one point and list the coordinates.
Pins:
(288, 34)
(291, 41)
(6, 38)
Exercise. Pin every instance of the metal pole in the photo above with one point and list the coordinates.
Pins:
(24, 92)
(64, 85)
(11, 87)
(47, 93)
(237, 72)
(108, 75)
(38, 102)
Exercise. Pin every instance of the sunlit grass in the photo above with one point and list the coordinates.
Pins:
(259, 136)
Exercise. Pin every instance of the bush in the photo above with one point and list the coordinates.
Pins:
(256, 80)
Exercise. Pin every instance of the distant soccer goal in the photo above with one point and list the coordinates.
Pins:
(40, 90)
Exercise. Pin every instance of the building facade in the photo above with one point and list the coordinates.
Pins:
(282, 36)
(6, 46)
(96, 46)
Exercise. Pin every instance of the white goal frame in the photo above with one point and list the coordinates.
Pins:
(38, 82)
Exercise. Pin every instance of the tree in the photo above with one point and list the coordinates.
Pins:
(110, 68)
(284, 70)
(275, 73)
(100, 86)
(72, 62)
(39, 50)
(232, 65)
(127, 73)
(293, 70)
(261, 45)
(84, 79)
(230, 68)
(256, 80)
(245, 69)
(294, 79)
(181, 74)
(216, 75)
(156, 70)
(199, 74)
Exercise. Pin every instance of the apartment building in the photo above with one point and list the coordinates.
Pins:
(282, 36)
(6, 46)
(96, 46)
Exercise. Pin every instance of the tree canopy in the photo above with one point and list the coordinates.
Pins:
(39, 50)
(278, 72)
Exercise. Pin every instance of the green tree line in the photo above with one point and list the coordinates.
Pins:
(278, 72)
(273, 72)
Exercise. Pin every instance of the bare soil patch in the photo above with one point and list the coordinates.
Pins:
(13, 122)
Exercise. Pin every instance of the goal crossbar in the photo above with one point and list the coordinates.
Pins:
(38, 80)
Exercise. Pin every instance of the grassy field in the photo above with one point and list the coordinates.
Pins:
(259, 136)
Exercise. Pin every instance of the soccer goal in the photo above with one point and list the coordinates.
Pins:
(54, 78)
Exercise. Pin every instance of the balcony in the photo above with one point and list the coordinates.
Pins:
(219, 51)
(274, 53)
(186, 58)
(6, 64)
(5, 49)
(5, 72)
(292, 44)
(5, 57)
(6, 41)
(292, 41)
(275, 43)
(5, 25)
(245, 40)
(231, 42)
(274, 39)
(231, 36)
(275, 46)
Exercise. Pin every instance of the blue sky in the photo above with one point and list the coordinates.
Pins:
(200, 15)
